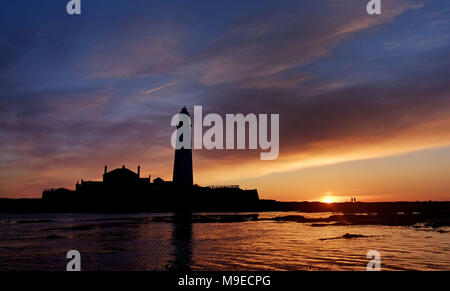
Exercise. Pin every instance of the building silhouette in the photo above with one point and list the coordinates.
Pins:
(182, 168)
(125, 190)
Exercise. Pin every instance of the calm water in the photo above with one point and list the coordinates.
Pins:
(135, 242)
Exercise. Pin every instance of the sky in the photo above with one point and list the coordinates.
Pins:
(364, 100)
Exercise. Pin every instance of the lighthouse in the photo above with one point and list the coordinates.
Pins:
(182, 169)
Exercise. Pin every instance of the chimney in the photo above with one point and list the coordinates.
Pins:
(139, 171)
(106, 169)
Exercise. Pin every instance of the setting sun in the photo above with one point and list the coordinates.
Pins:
(328, 200)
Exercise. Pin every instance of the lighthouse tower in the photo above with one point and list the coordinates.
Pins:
(182, 170)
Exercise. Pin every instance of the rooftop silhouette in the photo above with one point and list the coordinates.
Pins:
(125, 190)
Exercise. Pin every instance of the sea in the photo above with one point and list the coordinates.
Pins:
(145, 242)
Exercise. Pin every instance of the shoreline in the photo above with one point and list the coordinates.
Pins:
(33, 206)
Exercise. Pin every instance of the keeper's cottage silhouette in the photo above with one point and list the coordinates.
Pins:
(125, 190)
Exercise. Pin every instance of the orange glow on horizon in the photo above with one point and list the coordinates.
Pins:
(329, 200)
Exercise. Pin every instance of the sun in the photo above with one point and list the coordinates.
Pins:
(328, 200)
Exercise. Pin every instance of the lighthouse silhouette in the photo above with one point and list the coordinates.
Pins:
(182, 169)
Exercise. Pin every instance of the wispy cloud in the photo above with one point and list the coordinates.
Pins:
(153, 90)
